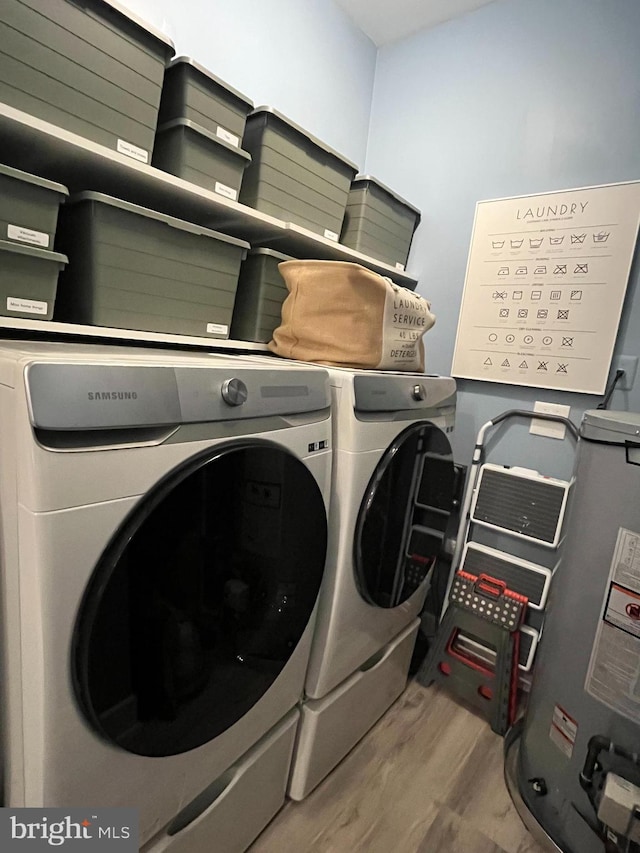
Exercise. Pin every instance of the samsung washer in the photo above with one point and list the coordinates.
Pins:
(162, 543)
(391, 496)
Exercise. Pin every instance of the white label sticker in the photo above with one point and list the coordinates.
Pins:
(231, 138)
(132, 151)
(563, 731)
(217, 329)
(27, 235)
(227, 192)
(613, 677)
(331, 235)
(26, 306)
(400, 267)
(626, 560)
(623, 609)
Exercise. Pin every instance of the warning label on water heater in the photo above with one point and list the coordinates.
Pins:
(563, 731)
(614, 670)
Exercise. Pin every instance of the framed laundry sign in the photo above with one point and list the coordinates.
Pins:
(545, 285)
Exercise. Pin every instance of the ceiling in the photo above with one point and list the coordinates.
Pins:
(389, 20)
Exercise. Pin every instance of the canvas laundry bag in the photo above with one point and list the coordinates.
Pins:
(342, 314)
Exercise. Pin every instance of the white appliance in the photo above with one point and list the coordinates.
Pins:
(162, 543)
(391, 496)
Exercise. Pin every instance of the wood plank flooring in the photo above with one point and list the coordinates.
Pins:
(428, 778)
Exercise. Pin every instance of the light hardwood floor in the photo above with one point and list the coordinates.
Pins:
(428, 778)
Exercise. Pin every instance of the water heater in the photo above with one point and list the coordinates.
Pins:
(577, 762)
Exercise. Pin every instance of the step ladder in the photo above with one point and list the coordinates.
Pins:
(482, 613)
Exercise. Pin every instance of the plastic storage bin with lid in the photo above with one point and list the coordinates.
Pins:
(294, 176)
(134, 268)
(192, 92)
(193, 153)
(28, 280)
(261, 292)
(378, 222)
(29, 207)
(93, 68)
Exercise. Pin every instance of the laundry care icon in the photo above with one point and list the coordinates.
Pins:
(535, 242)
(601, 236)
(516, 244)
(576, 295)
(522, 271)
(542, 314)
(504, 312)
(581, 269)
(499, 295)
(497, 244)
(540, 270)
(567, 342)
(503, 271)
(577, 238)
(556, 241)
(561, 269)
(563, 314)
(562, 368)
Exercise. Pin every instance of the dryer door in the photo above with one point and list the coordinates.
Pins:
(200, 599)
(403, 516)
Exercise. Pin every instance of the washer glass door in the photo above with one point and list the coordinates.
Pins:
(200, 599)
(403, 516)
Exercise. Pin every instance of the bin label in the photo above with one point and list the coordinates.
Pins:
(225, 135)
(131, 150)
(331, 235)
(28, 235)
(26, 306)
(217, 329)
(227, 192)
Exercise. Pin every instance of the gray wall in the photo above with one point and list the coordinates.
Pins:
(521, 96)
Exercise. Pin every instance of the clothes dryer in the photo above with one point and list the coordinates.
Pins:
(391, 496)
(162, 543)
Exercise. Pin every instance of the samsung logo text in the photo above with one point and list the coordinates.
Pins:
(112, 395)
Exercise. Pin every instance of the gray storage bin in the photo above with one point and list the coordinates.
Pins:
(28, 280)
(261, 292)
(293, 176)
(189, 151)
(134, 268)
(378, 222)
(29, 207)
(90, 67)
(190, 91)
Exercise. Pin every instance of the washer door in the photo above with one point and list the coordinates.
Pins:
(200, 599)
(403, 516)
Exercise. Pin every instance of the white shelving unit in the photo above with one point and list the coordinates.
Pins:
(36, 146)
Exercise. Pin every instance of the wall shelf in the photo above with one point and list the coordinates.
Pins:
(36, 146)
(16, 327)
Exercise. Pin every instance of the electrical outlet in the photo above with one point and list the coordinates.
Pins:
(628, 363)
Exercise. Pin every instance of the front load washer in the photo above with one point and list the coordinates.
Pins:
(162, 543)
(391, 496)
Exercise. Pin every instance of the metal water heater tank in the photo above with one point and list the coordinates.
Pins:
(577, 763)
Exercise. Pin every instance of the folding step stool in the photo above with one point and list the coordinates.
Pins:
(482, 608)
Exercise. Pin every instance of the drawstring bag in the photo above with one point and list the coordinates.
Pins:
(345, 315)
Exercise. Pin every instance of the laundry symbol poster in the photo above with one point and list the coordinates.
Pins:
(545, 286)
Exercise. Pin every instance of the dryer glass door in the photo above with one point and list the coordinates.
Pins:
(200, 599)
(403, 516)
